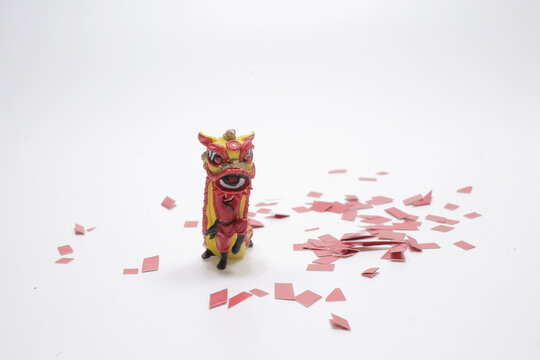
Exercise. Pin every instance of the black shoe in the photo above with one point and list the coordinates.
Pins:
(238, 244)
(250, 243)
(207, 254)
(223, 261)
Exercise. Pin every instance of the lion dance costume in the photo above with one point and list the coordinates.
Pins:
(228, 162)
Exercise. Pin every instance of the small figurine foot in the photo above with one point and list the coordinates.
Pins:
(250, 243)
(207, 254)
(238, 244)
(223, 261)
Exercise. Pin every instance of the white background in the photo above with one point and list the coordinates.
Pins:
(100, 105)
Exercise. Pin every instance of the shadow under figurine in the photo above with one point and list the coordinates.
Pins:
(228, 162)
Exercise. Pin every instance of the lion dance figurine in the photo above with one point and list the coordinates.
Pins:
(228, 162)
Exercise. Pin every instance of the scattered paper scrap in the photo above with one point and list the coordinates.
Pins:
(279, 216)
(465, 190)
(383, 173)
(90, 229)
(367, 179)
(327, 238)
(64, 260)
(150, 264)
(191, 224)
(255, 223)
(464, 245)
(264, 211)
(239, 298)
(314, 194)
(326, 259)
(336, 295)
(218, 298)
(308, 298)
(321, 206)
(450, 206)
(426, 200)
(472, 215)
(284, 291)
(374, 219)
(312, 229)
(320, 267)
(371, 272)
(380, 200)
(412, 199)
(131, 271)
(338, 322)
(266, 204)
(79, 229)
(338, 171)
(168, 203)
(64, 250)
(427, 246)
(398, 214)
(300, 209)
(258, 292)
(442, 228)
(349, 215)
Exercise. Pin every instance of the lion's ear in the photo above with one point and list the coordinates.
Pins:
(247, 137)
(205, 139)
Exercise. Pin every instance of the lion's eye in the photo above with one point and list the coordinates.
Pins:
(249, 156)
(214, 158)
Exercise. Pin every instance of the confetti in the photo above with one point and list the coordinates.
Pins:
(464, 245)
(336, 295)
(131, 271)
(320, 267)
(239, 298)
(450, 206)
(442, 228)
(371, 272)
(218, 298)
(284, 291)
(168, 203)
(465, 190)
(79, 229)
(150, 264)
(472, 215)
(64, 250)
(308, 298)
(64, 260)
(338, 171)
(258, 292)
(300, 209)
(191, 224)
(338, 322)
(367, 179)
(412, 199)
(314, 194)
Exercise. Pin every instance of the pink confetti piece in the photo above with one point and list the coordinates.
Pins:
(64, 250)
(380, 200)
(312, 229)
(308, 298)
(168, 203)
(255, 223)
(79, 229)
(326, 260)
(322, 253)
(394, 256)
(371, 272)
(338, 207)
(391, 235)
(465, 190)
(251, 214)
(436, 218)
(426, 200)
(235, 300)
(383, 173)
(427, 246)
(336, 295)
(356, 236)
(351, 197)
(338, 171)
(279, 216)
(338, 322)
(300, 209)
(412, 199)
(218, 298)
(442, 228)
(284, 291)
(327, 238)
(264, 211)
(413, 244)
(450, 206)
(367, 179)
(266, 204)
(191, 224)
(314, 194)
(398, 214)
(321, 206)
(375, 219)
(407, 225)
(472, 215)
(349, 215)
(91, 229)
(131, 271)
(320, 267)
(64, 260)
(150, 264)
(464, 245)
(258, 292)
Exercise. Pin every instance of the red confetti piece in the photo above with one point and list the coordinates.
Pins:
(64, 260)
(131, 271)
(258, 292)
(239, 298)
(327, 238)
(300, 209)
(326, 260)
(64, 250)
(284, 291)
(338, 322)
(168, 203)
(280, 216)
(380, 200)
(218, 298)
(427, 246)
(465, 190)
(412, 199)
(90, 229)
(191, 224)
(367, 179)
(464, 245)
(371, 272)
(398, 214)
(264, 211)
(450, 206)
(338, 171)
(383, 173)
(320, 267)
(426, 200)
(336, 295)
(79, 229)
(255, 223)
(349, 215)
(314, 194)
(150, 264)
(308, 298)
(442, 228)
(312, 229)
(472, 215)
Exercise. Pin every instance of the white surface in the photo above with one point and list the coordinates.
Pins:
(100, 106)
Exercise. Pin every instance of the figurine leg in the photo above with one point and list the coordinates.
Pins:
(238, 244)
(250, 243)
(207, 254)
(223, 261)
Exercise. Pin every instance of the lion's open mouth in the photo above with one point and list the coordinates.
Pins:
(234, 182)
